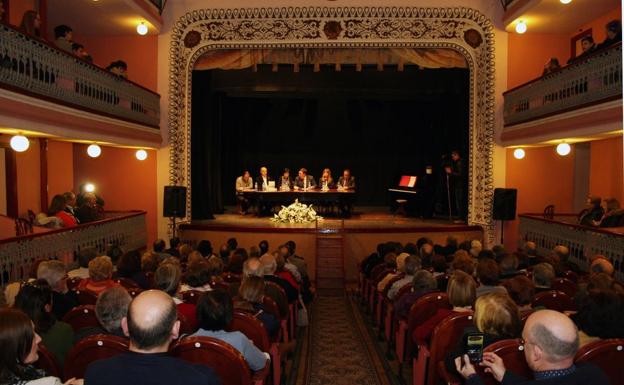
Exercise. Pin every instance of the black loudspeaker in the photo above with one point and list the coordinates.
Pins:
(174, 204)
(505, 204)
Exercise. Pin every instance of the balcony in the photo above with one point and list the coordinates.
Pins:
(39, 75)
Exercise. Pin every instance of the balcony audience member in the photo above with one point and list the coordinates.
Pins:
(89, 210)
(20, 343)
(35, 299)
(550, 344)
(130, 267)
(543, 275)
(269, 265)
(588, 46)
(57, 209)
(167, 278)
(31, 23)
(522, 290)
(79, 51)
(552, 66)
(100, 274)
(152, 325)
(614, 34)
(119, 68)
(250, 295)
(197, 277)
(63, 299)
(496, 316)
(82, 191)
(411, 266)
(110, 308)
(64, 37)
(70, 203)
(462, 294)
(423, 283)
(85, 255)
(488, 274)
(613, 216)
(214, 314)
(43, 220)
(174, 244)
(600, 316)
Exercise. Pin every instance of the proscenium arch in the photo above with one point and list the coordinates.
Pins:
(462, 29)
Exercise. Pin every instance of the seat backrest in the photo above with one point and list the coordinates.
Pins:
(127, 283)
(403, 290)
(608, 355)
(512, 353)
(442, 281)
(376, 270)
(571, 275)
(86, 297)
(381, 275)
(278, 294)
(554, 300)
(22, 227)
(444, 338)
(549, 212)
(47, 362)
(565, 285)
(252, 328)
(134, 291)
(398, 277)
(72, 283)
(220, 285)
(226, 361)
(82, 316)
(425, 307)
(271, 306)
(231, 277)
(191, 296)
(91, 349)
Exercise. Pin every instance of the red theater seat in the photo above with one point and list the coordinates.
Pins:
(253, 329)
(608, 355)
(86, 297)
(564, 285)
(73, 283)
(554, 300)
(127, 283)
(231, 277)
(191, 296)
(47, 362)
(512, 353)
(81, 317)
(92, 349)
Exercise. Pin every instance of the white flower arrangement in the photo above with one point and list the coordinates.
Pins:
(296, 213)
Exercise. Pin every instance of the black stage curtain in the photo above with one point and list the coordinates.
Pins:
(382, 126)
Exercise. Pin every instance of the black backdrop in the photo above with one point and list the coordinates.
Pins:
(380, 124)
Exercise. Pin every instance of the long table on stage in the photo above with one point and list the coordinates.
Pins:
(342, 199)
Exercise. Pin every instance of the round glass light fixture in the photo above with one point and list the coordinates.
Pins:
(20, 143)
(94, 150)
(521, 27)
(142, 29)
(141, 154)
(519, 153)
(89, 187)
(563, 149)
(565, 1)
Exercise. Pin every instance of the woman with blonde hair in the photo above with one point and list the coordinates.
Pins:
(250, 299)
(100, 276)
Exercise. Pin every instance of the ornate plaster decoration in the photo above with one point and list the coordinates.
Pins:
(462, 29)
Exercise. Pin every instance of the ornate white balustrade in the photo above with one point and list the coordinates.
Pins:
(125, 229)
(598, 78)
(582, 241)
(38, 69)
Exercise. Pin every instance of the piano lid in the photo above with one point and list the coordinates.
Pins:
(408, 181)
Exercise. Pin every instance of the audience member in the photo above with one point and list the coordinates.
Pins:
(438, 263)
(423, 283)
(390, 261)
(205, 249)
(150, 261)
(119, 68)
(70, 203)
(85, 255)
(89, 210)
(600, 316)
(614, 34)
(550, 344)
(254, 268)
(373, 260)
(613, 215)
(475, 248)
(224, 253)
(509, 266)
(499, 252)
(216, 268)
(522, 290)
(31, 23)
(448, 249)
(250, 296)
(264, 246)
(214, 315)
(600, 264)
(100, 274)
(159, 249)
(167, 278)
(151, 325)
(552, 66)
(185, 250)
(110, 308)
(593, 212)
(232, 244)
(79, 51)
(295, 264)
(129, 266)
(462, 261)
(411, 266)
(174, 244)
(57, 209)
(283, 273)
(35, 299)
(487, 275)
(543, 275)
(114, 252)
(236, 260)
(63, 299)
(426, 255)
(64, 37)
(563, 254)
(20, 343)
(269, 265)
(197, 277)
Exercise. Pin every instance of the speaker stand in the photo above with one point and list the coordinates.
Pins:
(502, 231)
(173, 229)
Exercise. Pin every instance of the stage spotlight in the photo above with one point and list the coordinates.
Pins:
(89, 187)
(563, 149)
(519, 153)
(20, 143)
(142, 28)
(94, 150)
(141, 154)
(521, 27)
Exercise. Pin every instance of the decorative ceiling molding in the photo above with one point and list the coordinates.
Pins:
(462, 29)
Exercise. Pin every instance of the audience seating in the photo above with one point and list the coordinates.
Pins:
(371, 285)
(81, 317)
(226, 361)
(383, 301)
(512, 353)
(127, 283)
(185, 325)
(554, 300)
(47, 362)
(564, 285)
(86, 297)
(229, 277)
(443, 280)
(191, 296)
(373, 288)
(91, 349)
(275, 288)
(23, 227)
(608, 355)
(572, 276)
(72, 283)
(390, 323)
(134, 291)
(253, 329)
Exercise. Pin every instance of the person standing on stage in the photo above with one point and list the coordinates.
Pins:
(243, 183)
(304, 181)
(285, 182)
(346, 181)
(262, 182)
(326, 182)
(457, 174)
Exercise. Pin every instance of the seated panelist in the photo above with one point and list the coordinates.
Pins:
(262, 182)
(346, 181)
(285, 181)
(327, 182)
(304, 181)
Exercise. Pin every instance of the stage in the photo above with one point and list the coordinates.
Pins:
(355, 237)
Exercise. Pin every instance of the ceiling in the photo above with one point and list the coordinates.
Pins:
(551, 16)
(103, 17)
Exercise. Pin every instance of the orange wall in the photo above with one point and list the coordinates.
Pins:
(28, 179)
(605, 175)
(60, 168)
(124, 182)
(598, 25)
(542, 178)
(528, 53)
(139, 52)
(17, 9)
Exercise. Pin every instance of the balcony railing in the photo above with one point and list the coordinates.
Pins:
(582, 241)
(34, 67)
(125, 229)
(596, 79)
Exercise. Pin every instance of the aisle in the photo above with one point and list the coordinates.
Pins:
(338, 348)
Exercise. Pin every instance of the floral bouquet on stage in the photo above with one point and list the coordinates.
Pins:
(296, 213)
